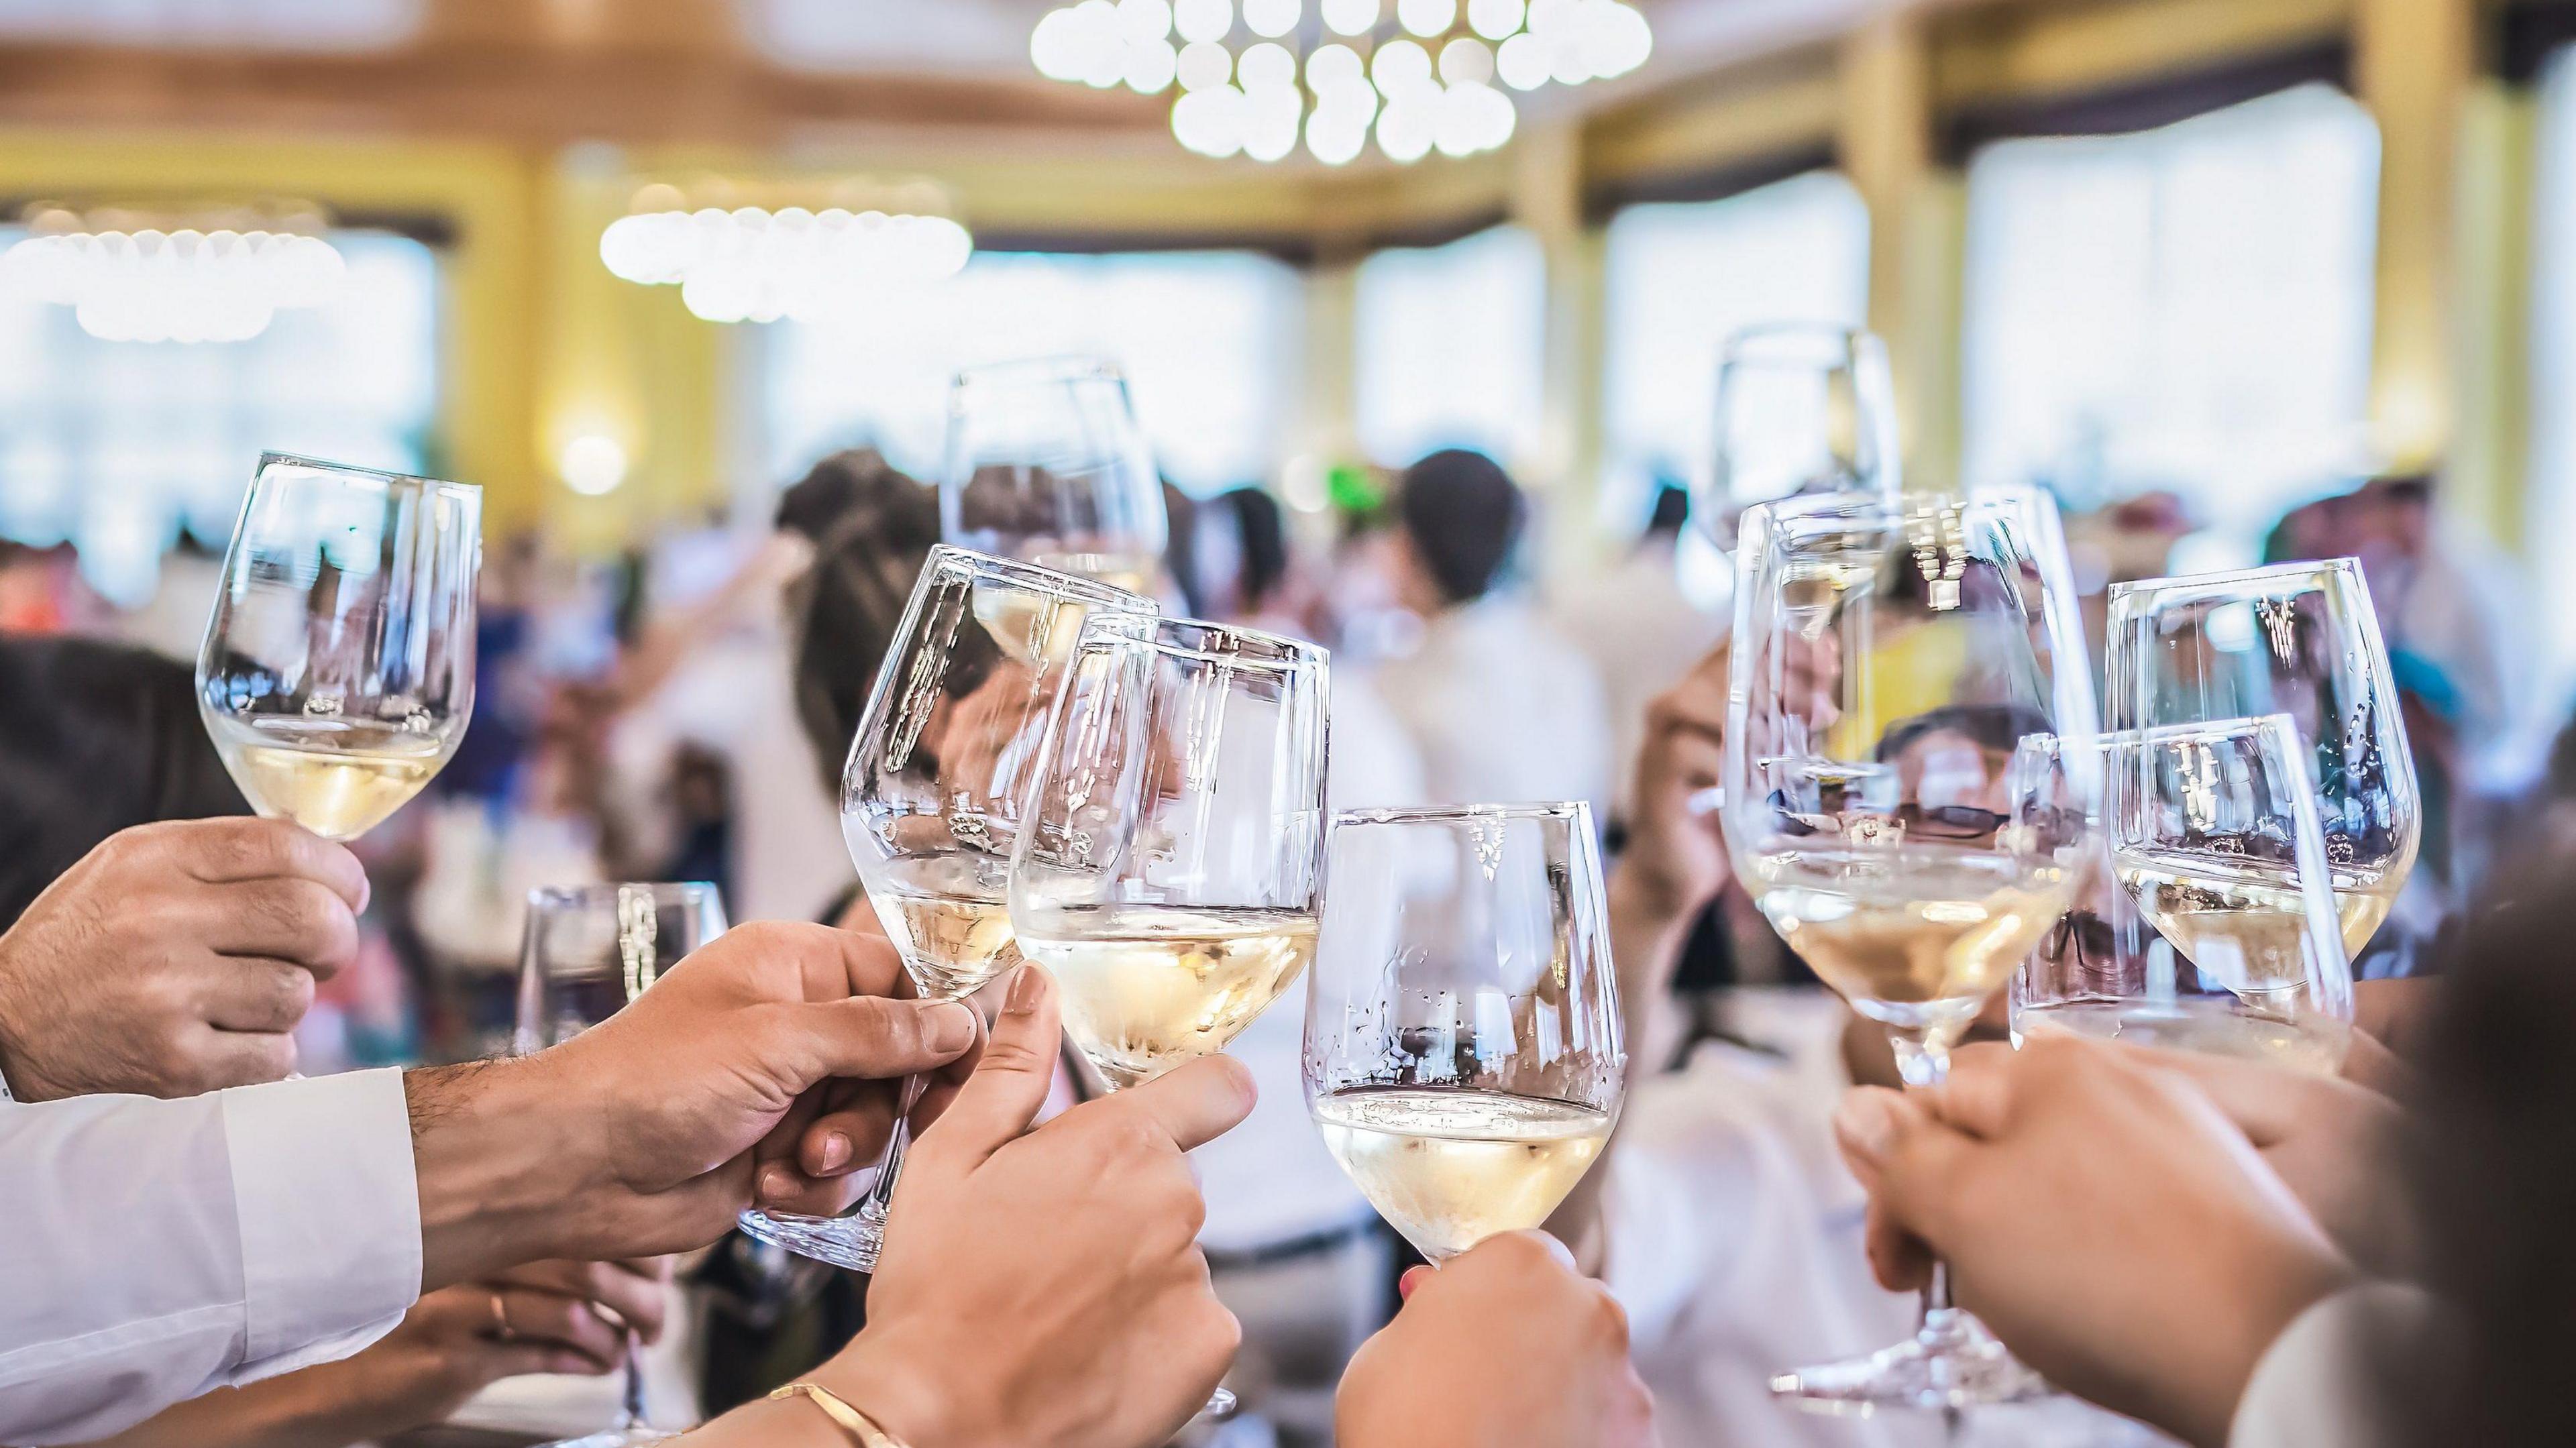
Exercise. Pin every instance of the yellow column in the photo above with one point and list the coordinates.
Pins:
(2488, 476)
(1918, 219)
(2412, 66)
(1547, 199)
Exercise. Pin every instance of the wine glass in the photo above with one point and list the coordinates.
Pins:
(1463, 1055)
(1889, 660)
(2299, 639)
(1802, 408)
(338, 670)
(1170, 877)
(1046, 462)
(932, 797)
(587, 952)
(2213, 928)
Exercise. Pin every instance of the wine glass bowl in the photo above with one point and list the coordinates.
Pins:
(1802, 408)
(337, 675)
(1463, 1050)
(1170, 874)
(1047, 463)
(2298, 639)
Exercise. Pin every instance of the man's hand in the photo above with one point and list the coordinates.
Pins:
(1504, 1344)
(641, 1136)
(175, 959)
(1044, 1289)
(2149, 1279)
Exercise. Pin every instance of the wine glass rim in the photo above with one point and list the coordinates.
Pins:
(1570, 810)
(1036, 577)
(1048, 367)
(663, 892)
(383, 475)
(2265, 573)
(1749, 345)
(1294, 655)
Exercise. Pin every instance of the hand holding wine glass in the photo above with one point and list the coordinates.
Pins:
(1047, 463)
(338, 669)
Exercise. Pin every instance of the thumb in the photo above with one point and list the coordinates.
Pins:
(869, 1037)
(1010, 1083)
(1917, 1166)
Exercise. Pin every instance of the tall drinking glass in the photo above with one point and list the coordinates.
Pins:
(1463, 1055)
(1802, 408)
(1888, 663)
(338, 670)
(2299, 639)
(1047, 463)
(585, 954)
(933, 797)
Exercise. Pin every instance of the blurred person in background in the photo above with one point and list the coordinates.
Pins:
(1500, 706)
(1642, 629)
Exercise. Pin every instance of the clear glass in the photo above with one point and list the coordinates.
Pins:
(2299, 639)
(1802, 408)
(1047, 463)
(2212, 927)
(585, 954)
(1171, 875)
(338, 669)
(938, 781)
(1889, 661)
(1463, 1056)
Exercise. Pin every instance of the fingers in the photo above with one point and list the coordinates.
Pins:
(1915, 1165)
(300, 921)
(1196, 1102)
(227, 851)
(236, 1058)
(547, 1319)
(1010, 1082)
(263, 996)
(869, 1037)
(1977, 1099)
(638, 1298)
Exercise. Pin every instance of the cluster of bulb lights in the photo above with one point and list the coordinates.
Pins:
(752, 264)
(178, 285)
(1424, 89)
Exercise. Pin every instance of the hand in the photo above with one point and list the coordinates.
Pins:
(1504, 1344)
(2149, 1279)
(1044, 1289)
(642, 1135)
(175, 959)
(1675, 857)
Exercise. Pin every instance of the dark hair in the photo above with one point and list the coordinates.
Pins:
(871, 527)
(1462, 514)
(1262, 533)
(1672, 510)
(1998, 727)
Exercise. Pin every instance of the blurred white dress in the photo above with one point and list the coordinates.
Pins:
(1501, 708)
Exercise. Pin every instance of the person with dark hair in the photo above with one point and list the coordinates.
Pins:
(1501, 706)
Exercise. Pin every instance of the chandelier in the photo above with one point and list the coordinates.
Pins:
(219, 274)
(1251, 80)
(741, 262)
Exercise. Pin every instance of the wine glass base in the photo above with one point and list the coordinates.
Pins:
(851, 1242)
(1952, 1363)
(1221, 1405)
(614, 1438)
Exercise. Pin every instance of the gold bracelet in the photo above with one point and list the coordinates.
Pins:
(866, 1433)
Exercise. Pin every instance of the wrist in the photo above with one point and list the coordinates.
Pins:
(507, 1174)
(878, 1375)
(2296, 1280)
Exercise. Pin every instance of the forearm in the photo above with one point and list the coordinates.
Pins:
(315, 1408)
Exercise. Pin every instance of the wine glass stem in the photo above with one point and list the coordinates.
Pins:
(880, 1197)
(1922, 1056)
(631, 1414)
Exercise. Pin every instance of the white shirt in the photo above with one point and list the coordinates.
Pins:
(1502, 708)
(1642, 632)
(154, 1250)
(2316, 1386)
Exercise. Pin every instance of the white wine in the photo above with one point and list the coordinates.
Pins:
(2245, 922)
(335, 777)
(1148, 987)
(953, 945)
(1029, 627)
(1449, 1168)
(1917, 935)
(2209, 1025)
(1134, 572)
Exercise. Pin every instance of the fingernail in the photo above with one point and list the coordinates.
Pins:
(947, 1026)
(836, 1150)
(1866, 1124)
(777, 1184)
(1026, 987)
(1413, 1277)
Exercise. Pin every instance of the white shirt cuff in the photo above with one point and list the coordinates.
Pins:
(2314, 1387)
(329, 1216)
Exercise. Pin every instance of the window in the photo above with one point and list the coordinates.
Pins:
(1452, 344)
(115, 446)
(1206, 340)
(2187, 308)
(1682, 277)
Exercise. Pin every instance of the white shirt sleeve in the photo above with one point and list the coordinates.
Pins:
(2316, 1386)
(154, 1250)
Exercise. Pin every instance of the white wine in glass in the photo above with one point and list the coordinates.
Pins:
(1170, 878)
(1463, 1056)
(939, 779)
(1047, 463)
(338, 669)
